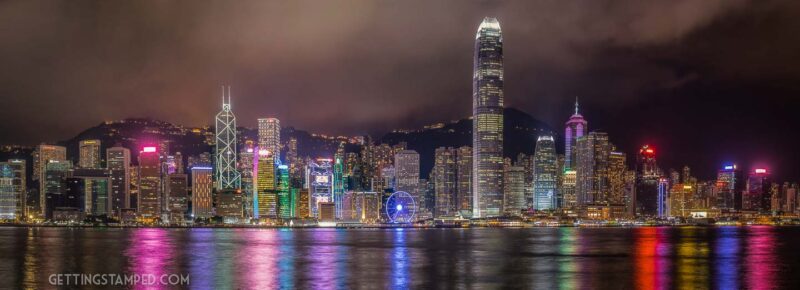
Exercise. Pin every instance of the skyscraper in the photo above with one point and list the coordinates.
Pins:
(19, 183)
(178, 202)
(246, 167)
(8, 194)
(320, 184)
(730, 184)
(576, 127)
(266, 199)
(286, 202)
(544, 174)
(118, 160)
(269, 136)
(149, 204)
(41, 156)
(487, 122)
(227, 175)
(757, 195)
(445, 179)
(201, 192)
(592, 160)
(89, 153)
(514, 190)
(406, 165)
(648, 199)
(464, 187)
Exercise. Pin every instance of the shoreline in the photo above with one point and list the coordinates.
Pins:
(384, 226)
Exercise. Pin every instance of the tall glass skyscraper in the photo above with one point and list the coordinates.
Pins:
(576, 128)
(227, 175)
(544, 174)
(487, 120)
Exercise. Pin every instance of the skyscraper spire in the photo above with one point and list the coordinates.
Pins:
(576, 105)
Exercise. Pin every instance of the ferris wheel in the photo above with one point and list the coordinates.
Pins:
(400, 207)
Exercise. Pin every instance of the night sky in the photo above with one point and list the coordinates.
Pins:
(703, 81)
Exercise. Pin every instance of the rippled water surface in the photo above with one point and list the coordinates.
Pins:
(542, 258)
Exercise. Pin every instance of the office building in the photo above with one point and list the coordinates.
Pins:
(545, 196)
(227, 177)
(89, 154)
(202, 206)
(487, 120)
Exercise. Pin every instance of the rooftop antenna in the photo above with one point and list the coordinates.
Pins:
(576, 105)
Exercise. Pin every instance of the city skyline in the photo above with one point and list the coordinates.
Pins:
(655, 70)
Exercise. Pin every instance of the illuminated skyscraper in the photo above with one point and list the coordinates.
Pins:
(201, 192)
(41, 156)
(487, 122)
(266, 198)
(150, 190)
(464, 187)
(246, 167)
(406, 165)
(227, 175)
(118, 161)
(544, 174)
(757, 196)
(286, 202)
(648, 200)
(8, 194)
(89, 153)
(576, 128)
(514, 190)
(178, 202)
(616, 177)
(592, 160)
(730, 184)
(269, 136)
(320, 184)
(338, 182)
(445, 179)
(18, 180)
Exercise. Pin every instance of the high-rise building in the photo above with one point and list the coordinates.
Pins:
(118, 160)
(568, 187)
(150, 190)
(320, 184)
(97, 190)
(8, 194)
(89, 153)
(246, 167)
(487, 122)
(514, 190)
(545, 196)
(229, 205)
(648, 200)
(757, 195)
(730, 184)
(201, 192)
(295, 171)
(592, 160)
(227, 175)
(178, 203)
(18, 169)
(266, 195)
(41, 156)
(338, 180)
(55, 173)
(576, 127)
(406, 164)
(303, 203)
(269, 136)
(464, 187)
(616, 177)
(444, 176)
(286, 200)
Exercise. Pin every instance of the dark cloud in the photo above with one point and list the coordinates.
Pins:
(644, 70)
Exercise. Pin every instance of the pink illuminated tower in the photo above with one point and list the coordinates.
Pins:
(576, 127)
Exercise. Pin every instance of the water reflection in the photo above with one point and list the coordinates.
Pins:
(652, 258)
(727, 257)
(555, 258)
(151, 253)
(760, 260)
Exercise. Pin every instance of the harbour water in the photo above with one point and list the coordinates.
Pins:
(758, 257)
